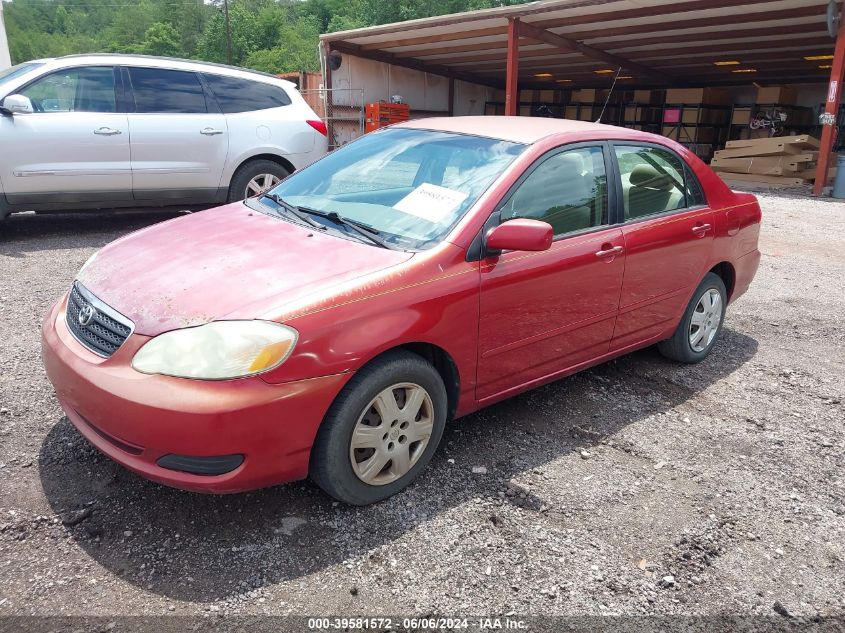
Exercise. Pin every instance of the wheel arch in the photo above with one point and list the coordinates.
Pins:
(279, 160)
(442, 362)
(727, 273)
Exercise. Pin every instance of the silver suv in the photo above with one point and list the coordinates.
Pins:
(107, 131)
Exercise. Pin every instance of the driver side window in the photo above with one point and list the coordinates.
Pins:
(74, 90)
(568, 190)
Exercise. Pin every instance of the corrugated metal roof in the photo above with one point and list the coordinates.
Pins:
(677, 40)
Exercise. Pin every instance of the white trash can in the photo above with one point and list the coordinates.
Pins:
(839, 183)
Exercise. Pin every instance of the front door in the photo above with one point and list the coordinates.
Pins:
(544, 312)
(668, 233)
(179, 137)
(73, 147)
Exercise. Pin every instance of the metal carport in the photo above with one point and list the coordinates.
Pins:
(575, 43)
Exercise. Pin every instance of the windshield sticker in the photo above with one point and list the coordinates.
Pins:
(431, 202)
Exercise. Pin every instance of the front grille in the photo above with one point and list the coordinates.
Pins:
(101, 329)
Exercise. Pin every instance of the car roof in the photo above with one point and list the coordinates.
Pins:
(173, 63)
(518, 129)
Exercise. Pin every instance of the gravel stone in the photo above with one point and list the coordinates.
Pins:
(750, 439)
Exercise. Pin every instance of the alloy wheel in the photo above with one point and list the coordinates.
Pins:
(391, 434)
(705, 320)
(261, 183)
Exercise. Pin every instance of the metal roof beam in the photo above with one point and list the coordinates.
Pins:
(568, 45)
(434, 69)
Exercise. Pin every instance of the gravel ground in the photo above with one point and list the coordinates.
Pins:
(638, 487)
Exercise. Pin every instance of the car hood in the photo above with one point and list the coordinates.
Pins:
(228, 262)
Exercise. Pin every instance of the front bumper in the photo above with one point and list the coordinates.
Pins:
(136, 419)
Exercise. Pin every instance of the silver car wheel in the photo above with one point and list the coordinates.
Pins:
(261, 183)
(705, 320)
(391, 434)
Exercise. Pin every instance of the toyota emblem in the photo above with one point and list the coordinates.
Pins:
(86, 315)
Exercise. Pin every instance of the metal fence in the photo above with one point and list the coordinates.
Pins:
(342, 110)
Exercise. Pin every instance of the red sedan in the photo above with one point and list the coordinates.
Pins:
(332, 326)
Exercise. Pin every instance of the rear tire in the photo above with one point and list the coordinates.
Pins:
(394, 410)
(701, 324)
(255, 177)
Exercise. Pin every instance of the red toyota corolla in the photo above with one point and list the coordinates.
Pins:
(333, 325)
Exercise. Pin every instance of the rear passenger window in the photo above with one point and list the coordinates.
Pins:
(652, 181)
(167, 91)
(234, 94)
(567, 190)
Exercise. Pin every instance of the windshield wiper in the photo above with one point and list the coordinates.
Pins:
(361, 229)
(294, 211)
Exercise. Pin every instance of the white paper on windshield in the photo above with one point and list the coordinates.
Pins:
(431, 202)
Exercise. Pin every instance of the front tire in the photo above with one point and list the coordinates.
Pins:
(701, 324)
(381, 431)
(254, 178)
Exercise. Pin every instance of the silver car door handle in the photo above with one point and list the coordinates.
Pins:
(703, 228)
(210, 131)
(107, 131)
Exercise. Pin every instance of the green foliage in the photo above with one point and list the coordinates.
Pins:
(270, 35)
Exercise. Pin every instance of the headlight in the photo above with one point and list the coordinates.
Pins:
(218, 350)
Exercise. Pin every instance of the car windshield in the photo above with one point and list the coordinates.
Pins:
(17, 71)
(409, 186)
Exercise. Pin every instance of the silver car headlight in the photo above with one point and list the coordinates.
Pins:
(217, 350)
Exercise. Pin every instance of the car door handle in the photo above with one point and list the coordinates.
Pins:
(210, 131)
(107, 131)
(616, 250)
(701, 228)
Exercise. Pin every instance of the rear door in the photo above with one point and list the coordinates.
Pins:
(74, 147)
(179, 138)
(544, 312)
(668, 230)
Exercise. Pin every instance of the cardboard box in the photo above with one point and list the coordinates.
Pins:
(780, 95)
(741, 116)
(589, 114)
(707, 96)
(633, 114)
(584, 95)
(768, 165)
(770, 180)
(803, 139)
(767, 150)
(494, 109)
(581, 112)
(547, 96)
(672, 115)
(643, 96)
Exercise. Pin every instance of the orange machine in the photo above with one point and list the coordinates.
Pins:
(382, 113)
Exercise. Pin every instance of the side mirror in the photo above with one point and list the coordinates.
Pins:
(521, 234)
(17, 104)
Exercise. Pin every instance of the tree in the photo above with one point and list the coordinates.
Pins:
(161, 39)
(270, 35)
